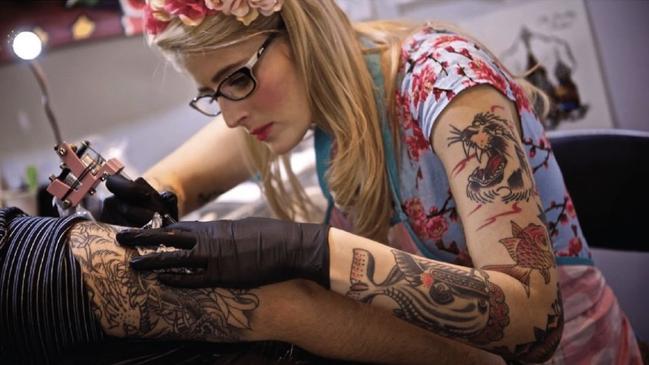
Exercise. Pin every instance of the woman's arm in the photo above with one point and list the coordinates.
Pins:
(331, 325)
(133, 304)
(207, 165)
(509, 303)
(478, 138)
(481, 308)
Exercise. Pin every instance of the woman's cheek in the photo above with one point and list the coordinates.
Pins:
(270, 93)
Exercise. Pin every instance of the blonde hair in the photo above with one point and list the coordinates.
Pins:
(329, 58)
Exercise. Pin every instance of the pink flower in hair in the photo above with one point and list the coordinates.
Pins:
(246, 11)
(159, 13)
(266, 7)
(155, 18)
(190, 12)
(235, 7)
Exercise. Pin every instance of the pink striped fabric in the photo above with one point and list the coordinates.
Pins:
(596, 330)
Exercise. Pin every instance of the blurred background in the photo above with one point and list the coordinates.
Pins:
(108, 87)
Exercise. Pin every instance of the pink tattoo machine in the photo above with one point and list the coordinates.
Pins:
(83, 169)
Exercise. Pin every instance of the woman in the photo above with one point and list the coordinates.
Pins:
(447, 206)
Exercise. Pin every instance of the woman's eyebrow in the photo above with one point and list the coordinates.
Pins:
(205, 89)
(224, 71)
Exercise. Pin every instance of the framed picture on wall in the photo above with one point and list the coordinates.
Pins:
(552, 44)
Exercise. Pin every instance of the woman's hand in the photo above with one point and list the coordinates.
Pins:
(134, 203)
(235, 254)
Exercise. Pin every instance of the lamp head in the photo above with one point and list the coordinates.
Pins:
(27, 45)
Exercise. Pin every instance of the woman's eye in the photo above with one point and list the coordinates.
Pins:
(238, 80)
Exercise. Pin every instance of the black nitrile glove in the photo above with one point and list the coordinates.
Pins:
(134, 203)
(235, 254)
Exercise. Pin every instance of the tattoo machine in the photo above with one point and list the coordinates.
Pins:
(83, 169)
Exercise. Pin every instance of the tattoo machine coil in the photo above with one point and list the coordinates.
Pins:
(83, 169)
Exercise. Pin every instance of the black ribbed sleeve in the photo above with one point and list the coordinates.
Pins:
(44, 308)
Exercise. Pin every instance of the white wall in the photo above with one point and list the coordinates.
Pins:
(622, 31)
(117, 92)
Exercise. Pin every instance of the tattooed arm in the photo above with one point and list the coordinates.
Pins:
(129, 304)
(509, 303)
(202, 169)
(478, 138)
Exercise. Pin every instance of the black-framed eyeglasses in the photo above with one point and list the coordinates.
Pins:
(236, 86)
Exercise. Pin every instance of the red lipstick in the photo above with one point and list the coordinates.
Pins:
(262, 132)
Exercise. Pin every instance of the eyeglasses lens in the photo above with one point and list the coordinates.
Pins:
(238, 85)
(208, 105)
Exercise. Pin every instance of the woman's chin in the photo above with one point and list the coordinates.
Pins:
(280, 146)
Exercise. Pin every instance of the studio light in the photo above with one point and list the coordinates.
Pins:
(27, 45)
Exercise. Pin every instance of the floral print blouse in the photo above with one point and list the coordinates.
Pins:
(436, 65)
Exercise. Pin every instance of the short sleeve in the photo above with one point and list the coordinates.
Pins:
(437, 66)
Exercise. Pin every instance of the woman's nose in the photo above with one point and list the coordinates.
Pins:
(234, 112)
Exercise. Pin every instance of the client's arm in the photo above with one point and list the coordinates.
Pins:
(131, 304)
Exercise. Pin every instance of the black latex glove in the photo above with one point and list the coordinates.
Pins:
(235, 254)
(134, 202)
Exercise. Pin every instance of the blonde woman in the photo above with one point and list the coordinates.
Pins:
(446, 206)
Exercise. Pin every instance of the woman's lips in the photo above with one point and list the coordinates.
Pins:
(262, 132)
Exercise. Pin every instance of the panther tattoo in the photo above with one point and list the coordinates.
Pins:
(490, 140)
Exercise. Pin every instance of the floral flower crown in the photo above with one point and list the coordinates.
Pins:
(159, 13)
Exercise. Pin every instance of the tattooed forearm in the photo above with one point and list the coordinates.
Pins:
(439, 298)
(454, 302)
(131, 304)
(503, 172)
